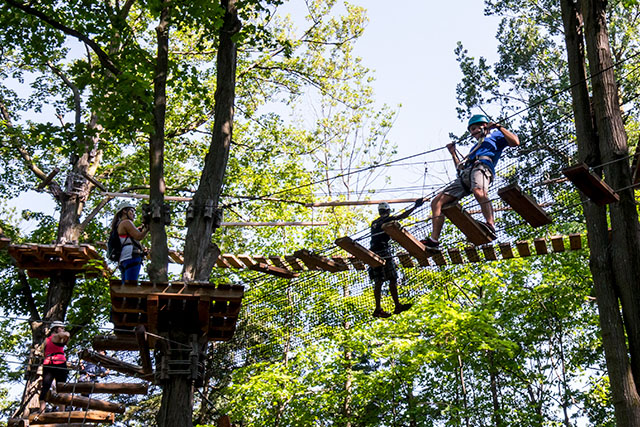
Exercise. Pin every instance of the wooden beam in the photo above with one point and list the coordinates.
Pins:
(177, 290)
(405, 239)
(455, 256)
(143, 346)
(465, 223)
(204, 313)
(575, 242)
(341, 263)
(359, 251)
(489, 252)
(506, 251)
(591, 184)
(78, 401)
(541, 246)
(103, 388)
(153, 310)
(111, 363)
(523, 248)
(274, 271)
(260, 259)
(63, 418)
(439, 258)
(177, 257)
(472, 253)
(222, 263)
(557, 242)
(524, 205)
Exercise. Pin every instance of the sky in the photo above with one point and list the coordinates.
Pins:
(410, 47)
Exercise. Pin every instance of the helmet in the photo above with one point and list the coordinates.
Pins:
(124, 205)
(56, 324)
(384, 207)
(477, 118)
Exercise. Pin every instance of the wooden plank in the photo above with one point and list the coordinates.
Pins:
(319, 261)
(153, 309)
(357, 263)
(222, 263)
(232, 260)
(575, 242)
(73, 416)
(103, 388)
(455, 256)
(143, 347)
(472, 254)
(439, 258)
(591, 184)
(405, 260)
(4, 242)
(359, 251)
(294, 262)
(247, 260)
(465, 223)
(405, 239)
(176, 257)
(274, 271)
(111, 363)
(277, 261)
(524, 205)
(506, 251)
(177, 290)
(541, 246)
(557, 242)
(78, 401)
(489, 252)
(260, 259)
(523, 248)
(341, 263)
(204, 311)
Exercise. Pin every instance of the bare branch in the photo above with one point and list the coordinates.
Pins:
(74, 89)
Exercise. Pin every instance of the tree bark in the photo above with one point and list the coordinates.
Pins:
(623, 387)
(200, 253)
(158, 268)
(625, 243)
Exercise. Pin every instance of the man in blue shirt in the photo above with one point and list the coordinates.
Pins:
(475, 173)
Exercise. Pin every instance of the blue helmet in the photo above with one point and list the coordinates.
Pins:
(477, 118)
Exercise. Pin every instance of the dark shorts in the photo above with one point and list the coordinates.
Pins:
(385, 272)
(477, 176)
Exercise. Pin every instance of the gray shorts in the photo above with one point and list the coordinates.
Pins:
(477, 176)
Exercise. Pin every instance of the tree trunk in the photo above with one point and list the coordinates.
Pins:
(200, 253)
(623, 387)
(625, 243)
(158, 268)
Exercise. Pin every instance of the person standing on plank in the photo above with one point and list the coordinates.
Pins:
(475, 174)
(54, 366)
(380, 245)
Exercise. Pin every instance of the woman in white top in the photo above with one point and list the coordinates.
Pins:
(130, 236)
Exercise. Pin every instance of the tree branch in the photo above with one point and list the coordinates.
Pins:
(25, 288)
(74, 89)
(102, 55)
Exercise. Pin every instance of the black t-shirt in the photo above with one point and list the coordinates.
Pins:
(380, 239)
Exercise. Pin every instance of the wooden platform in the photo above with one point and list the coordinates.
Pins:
(202, 307)
(591, 184)
(41, 261)
(103, 388)
(524, 205)
(465, 223)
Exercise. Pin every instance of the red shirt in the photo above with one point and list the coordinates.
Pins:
(53, 353)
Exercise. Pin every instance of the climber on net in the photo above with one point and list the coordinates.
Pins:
(475, 174)
(380, 245)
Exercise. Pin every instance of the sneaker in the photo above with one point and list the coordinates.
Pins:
(489, 229)
(430, 243)
(402, 307)
(381, 313)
